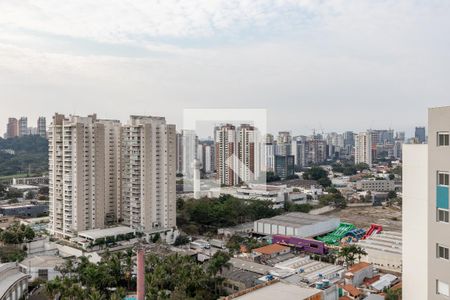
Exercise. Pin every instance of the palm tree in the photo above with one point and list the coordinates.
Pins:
(348, 254)
(128, 267)
(72, 291)
(66, 269)
(94, 294)
(119, 294)
(218, 262)
(360, 252)
(53, 287)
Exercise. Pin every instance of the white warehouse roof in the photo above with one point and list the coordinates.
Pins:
(296, 224)
(102, 233)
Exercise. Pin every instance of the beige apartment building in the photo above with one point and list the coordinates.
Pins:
(101, 173)
(238, 154)
(226, 156)
(84, 172)
(148, 173)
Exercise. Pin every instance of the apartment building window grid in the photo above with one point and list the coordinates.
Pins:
(442, 252)
(442, 288)
(443, 139)
(443, 178)
(442, 191)
(442, 215)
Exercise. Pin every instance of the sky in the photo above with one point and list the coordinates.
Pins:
(313, 64)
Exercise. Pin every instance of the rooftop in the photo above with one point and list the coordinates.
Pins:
(251, 266)
(24, 187)
(352, 290)
(13, 206)
(101, 233)
(358, 267)
(246, 277)
(384, 282)
(14, 275)
(309, 271)
(42, 261)
(295, 219)
(387, 241)
(271, 249)
(279, 290)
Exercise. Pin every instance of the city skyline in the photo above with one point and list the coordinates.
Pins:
(309, 63)
(225, 149)
(206, 131)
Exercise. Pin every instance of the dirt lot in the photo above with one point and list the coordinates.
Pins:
(390, 218)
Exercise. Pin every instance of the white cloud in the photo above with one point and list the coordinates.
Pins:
(309, 62)
(124, 21)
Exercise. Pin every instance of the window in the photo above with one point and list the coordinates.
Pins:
(442, 215)
(43, 274)
(443, 139)
(442, 288)
(443, 178)
(442, 252)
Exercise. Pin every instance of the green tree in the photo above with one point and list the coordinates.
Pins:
(350, 253)
(362, 166)
(315, 173)
(30, 195)
(182, 239)
(393, 294)
(31, 154)
(218, 262)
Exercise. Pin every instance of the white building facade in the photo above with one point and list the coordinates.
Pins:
(363, 148)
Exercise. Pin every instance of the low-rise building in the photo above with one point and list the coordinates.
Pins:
(271, 251)
(277, 194)
(351, 292)
(244, 228)
(358, 272)
(376, 185)
(88, 238)
(24, 210)
(386, 281)
(384, 250)
(42, 267)
(238, 279)
(40, 180)
(13, 282)
(278, 290)
(296, 224)
(309, 271)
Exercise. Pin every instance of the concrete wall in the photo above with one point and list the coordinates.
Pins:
(415, 194)
(384, 260)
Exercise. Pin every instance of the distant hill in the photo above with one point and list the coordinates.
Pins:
(30, 154)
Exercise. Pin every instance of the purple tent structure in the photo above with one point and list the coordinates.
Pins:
(307, 245)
